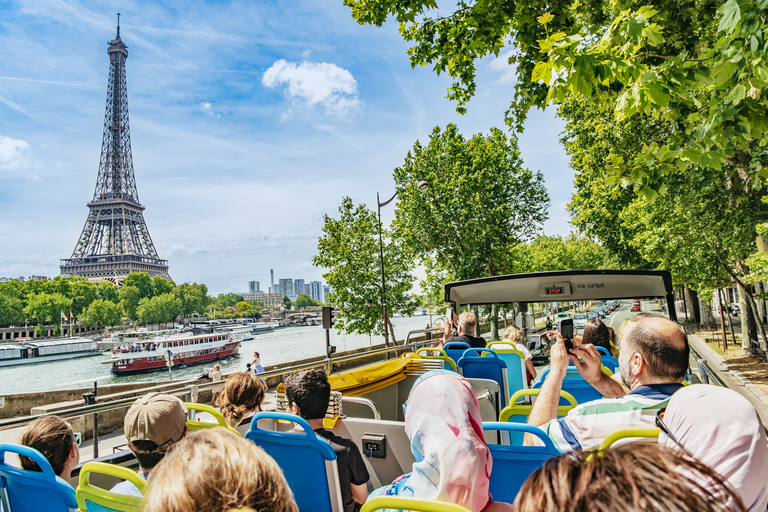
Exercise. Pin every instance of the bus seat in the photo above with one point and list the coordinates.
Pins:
(194, 425)
(32, 491)
(455, 350)
(413, 504)
(575, 384)
(308, 462)
(517, 377)
(512, 465)
(608, 360)
(448, 363)
(490, 366)
(95, 499)
(489, 397)
(629, 434)
(518, 413)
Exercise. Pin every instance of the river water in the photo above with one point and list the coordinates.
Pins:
(278, 346)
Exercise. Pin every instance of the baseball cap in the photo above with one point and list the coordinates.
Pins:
(156, 417)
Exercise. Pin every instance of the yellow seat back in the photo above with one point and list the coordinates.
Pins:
(628, 433)
(193, 425)
(515, 409)
(104, 499)
(443, 357)
(413, 504)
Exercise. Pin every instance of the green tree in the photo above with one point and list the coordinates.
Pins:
(349, 251)
(303, 301)
(108, 291)
(46, 308)
(10, 310)
(481, 203)
(141, 281)
(129, 300)
(229, 299)
(193, 298)
(161, 285)
(101, 312)
(243, 306)
(82, 292)
(158, 310)
(697, 64)
(574, 252)
(287, 302)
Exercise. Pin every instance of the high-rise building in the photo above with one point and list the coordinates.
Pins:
(316, 290)
(298, 286)
(306, 288)
(272, 281)
(115, 240)
(285, 287)
(253, 287)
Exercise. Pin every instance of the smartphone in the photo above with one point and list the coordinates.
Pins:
(565, 326)
(449, 316)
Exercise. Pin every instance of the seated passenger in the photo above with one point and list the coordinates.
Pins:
(55, 439)
(453, 463)
(466, 324)
(513, 335)
(596, 333)
(152, 425)
(633, 477)
(241, 398)
(653, 361)
(214, 470)
(308, 393)
(720, 428)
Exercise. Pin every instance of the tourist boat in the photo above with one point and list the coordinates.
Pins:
(50, 350)
(155, 354)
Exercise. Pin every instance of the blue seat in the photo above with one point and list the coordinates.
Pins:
(518, 412)
(512, 465)
(33, 491)
(574, 384)
(455, 350)
(490, 366)
(517, 377)
(308, 462)
(608, 360)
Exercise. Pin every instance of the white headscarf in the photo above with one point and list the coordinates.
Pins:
(722, 429)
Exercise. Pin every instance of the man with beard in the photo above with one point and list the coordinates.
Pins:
(653, 360)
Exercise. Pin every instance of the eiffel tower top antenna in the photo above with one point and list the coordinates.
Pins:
(118, 24)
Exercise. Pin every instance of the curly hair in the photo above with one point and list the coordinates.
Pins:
(512, 334)
(634, 477)
(243, 392)
(214, 469)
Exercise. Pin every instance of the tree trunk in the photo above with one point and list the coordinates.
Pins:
(692, 303)
(707, 315)
(494, 318)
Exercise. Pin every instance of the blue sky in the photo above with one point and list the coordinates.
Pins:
(249, 122)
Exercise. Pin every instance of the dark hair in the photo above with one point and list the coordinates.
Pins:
(148, 454)
(51, 436)
(597, 333)
(310, 390)
(632, 477)
(243, 392)
(663, 347)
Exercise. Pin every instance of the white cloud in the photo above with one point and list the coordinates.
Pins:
(506, 71)
(208, 109)
(316, 83)
(14, 154)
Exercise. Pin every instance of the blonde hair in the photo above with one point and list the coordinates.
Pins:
(51, 436)
(512, 334)
(468, 323)
(214, 469)
(242, 393)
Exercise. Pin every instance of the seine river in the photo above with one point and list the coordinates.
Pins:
(278, 346)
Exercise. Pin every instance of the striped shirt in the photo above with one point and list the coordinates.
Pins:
(589, 423)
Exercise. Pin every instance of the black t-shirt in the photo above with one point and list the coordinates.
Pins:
(471, 340)
(350, 463)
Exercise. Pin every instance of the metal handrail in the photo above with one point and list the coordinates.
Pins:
(708, 374)
(363, 401)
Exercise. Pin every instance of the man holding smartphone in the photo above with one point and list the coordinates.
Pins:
(466, 324)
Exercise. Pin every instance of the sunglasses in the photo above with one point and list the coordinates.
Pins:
(664, 428)
(77, 438)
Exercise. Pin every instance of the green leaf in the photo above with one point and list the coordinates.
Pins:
(658, 94)
(634, 30)
(736, 95)
(545, 18)
(722, 72)
(653, 34)
(731, 16)
(542, 71)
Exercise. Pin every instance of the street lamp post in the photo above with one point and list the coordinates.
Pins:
(422, 185)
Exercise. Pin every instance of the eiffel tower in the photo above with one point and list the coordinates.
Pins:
(115, 240)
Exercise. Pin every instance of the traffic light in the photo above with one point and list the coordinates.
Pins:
(328, 317)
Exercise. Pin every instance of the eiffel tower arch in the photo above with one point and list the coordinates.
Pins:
(115, 240)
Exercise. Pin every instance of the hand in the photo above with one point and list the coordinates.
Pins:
(589, 364)
(558, 355)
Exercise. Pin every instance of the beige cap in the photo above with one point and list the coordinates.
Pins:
(156, 417)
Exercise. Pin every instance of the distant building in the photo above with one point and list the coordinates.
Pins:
(38, 278)
(272, 281)
(285, 287)
(253, 286)
(270, 300)
(306, 289)
(298, 287)
(316, 290)
(326, 291)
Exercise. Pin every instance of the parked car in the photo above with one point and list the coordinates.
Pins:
(735, 309)
(579, 321)
(560, 316)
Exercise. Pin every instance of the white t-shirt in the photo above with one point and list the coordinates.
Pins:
(522, 348)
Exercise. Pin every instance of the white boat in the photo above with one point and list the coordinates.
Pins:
(51, 350)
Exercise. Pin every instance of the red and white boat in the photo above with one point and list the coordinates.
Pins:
(152, 354)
